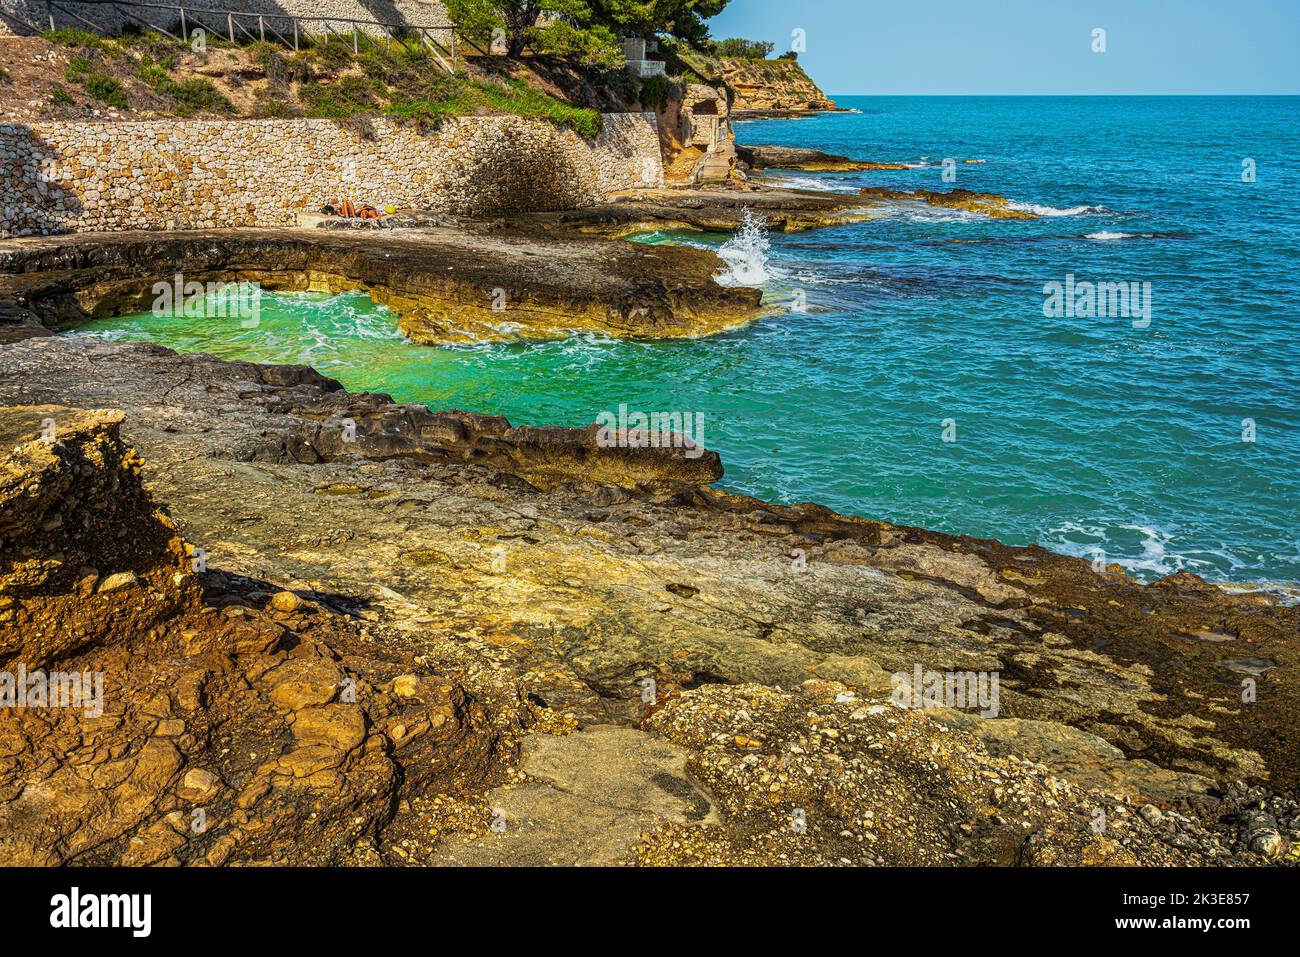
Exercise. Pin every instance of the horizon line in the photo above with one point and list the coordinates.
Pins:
(1170, 95)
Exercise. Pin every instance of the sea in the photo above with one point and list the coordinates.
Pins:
(944, 369)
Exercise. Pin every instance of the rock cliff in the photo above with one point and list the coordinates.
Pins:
(772, 87)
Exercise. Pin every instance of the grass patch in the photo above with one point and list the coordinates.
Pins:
(82, 39)
(404, 83)
(517, 97)
(198, 95)
(463, 97)
(78, 69)
(468, 98)
(107, 90)
(61, 97)
(326, 79)
(349, 96)
(102, 87)
(269, 109)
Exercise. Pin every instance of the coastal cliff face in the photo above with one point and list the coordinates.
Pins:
(661, 641)
(772, 86)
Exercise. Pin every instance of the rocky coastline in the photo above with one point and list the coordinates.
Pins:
(534, 275)
(332, 628)
(396, 639)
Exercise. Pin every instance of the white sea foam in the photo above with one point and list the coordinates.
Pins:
(106, 335)
(789, 181)
(1117, 543)
(1287, 593)
(745, 254)
(918, 212)
(1109, 236)
(1050, 211)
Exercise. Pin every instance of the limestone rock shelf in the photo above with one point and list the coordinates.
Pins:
(473, 583)
(445, 284)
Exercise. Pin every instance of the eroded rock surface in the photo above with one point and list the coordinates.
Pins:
(445, 284)
(232, 727)
(452, 566)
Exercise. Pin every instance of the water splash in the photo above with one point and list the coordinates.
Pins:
(746, 254)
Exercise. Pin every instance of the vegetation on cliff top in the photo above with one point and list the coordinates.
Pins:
(573, 70)
(736, 48)
(155, 74)
(586, 30)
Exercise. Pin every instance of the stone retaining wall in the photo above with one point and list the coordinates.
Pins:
(14, 14)
(191, 174)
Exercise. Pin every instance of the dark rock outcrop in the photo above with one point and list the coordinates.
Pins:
(813, 161)
(446, 285)
(85, 556)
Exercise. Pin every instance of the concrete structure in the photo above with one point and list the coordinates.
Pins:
(635, 50)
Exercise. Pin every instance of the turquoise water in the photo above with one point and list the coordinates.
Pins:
(1074, 433)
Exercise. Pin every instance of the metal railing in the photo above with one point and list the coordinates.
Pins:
(237, 26)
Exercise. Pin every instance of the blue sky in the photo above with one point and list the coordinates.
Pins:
(1033, 46)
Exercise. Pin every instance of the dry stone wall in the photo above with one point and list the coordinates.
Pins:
(182, 174)
(15, 15)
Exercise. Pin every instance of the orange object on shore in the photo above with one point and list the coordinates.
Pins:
(352, 210)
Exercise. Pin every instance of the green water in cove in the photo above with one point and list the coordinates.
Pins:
(1074, 433)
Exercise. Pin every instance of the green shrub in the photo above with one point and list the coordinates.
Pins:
(78, 67)
(133, 36)
(107, 90)
(268, 109)
(333, 51)
(654, 92)
(349, 96)
(155, 76)
(737, 48)
(198, 95)
(61, 97)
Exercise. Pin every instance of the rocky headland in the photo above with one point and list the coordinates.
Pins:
(771, 89)
(533, 275)
(446, 284)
